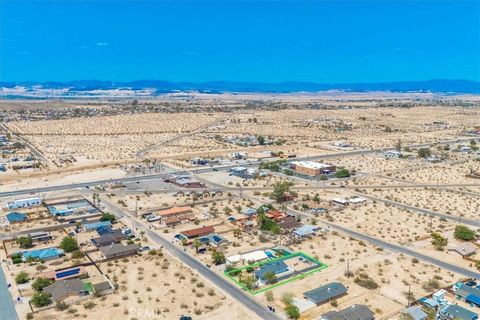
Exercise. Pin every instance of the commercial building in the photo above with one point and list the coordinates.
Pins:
(24, 203)
(312, 168)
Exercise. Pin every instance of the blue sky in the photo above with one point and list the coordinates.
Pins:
(265, 41)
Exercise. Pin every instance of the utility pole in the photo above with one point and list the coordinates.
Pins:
(348, 268)
(408, 297)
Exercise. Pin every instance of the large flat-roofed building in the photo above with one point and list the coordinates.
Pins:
(312, 168)
(24, 203)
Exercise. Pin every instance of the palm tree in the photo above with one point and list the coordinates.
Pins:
(197, 244)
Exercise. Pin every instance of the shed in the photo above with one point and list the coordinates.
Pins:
(416, 313)
(465, 249)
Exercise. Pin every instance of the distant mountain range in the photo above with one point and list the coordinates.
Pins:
(155, 87)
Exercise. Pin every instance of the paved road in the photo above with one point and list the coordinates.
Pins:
(7, 308)
(141, 153)
(393, 247)
(401, 249)
(470, 222)
(221, 282)
(209, 169)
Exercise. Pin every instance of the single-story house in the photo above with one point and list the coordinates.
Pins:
(463, 291)
(250, 257)
(416, 313)
(96, 225)
(117, 250)
(355, 312)
(62, 289)
(213, 239)
(42, 254)
(453, 311)
(198, 232)
(326, 293)
(14, 217)
(174, 212)
(277, 268)
(305, 231)
(172, 221)
(357, 200)
(107, 239)
(275, 215)
(340, 201)
(465, 249)
(249, 211)
(288, 223)
(40, 236)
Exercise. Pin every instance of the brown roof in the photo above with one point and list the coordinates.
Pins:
(174, 211)
(288, 222)
(198, 231)
(171, 220)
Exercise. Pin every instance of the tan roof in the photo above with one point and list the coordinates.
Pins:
(174, 211)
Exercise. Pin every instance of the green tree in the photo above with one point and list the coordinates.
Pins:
(292, 312)
(438, 241)
(108, 217)
(270, 277)
(22, 277)
(25, 242)
(261, 140)
(69, 244)
(197, 244)
(464, 233)
(342, 173)
(249, 281)
(280, 188)
(41, 283)
(218, 257)
(41, 299)
(424, 152)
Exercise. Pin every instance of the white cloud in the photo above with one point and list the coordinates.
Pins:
(102, 44)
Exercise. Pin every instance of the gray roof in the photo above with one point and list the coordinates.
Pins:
(355, 312)
(466, 249)
(464, 291)
(416, 313)
(101, 286)
(118, 249)
(326, 292)
(62, 288)
(458, 312)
